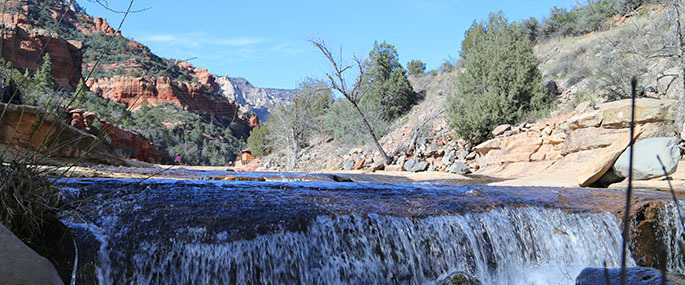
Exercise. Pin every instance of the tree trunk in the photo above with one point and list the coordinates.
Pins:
(680, 111)
(293, 157)
(386, 158)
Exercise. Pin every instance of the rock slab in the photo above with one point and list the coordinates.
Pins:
(415, 165)
(19, 264)
(598, 166)
(645, 162)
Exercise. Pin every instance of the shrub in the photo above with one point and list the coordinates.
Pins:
(416, 67)
(501, 82)
(258, 141)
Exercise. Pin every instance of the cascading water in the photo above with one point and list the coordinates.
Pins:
(206, 232)
(671, 234)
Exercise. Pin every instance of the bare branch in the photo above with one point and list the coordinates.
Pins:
(105, 4)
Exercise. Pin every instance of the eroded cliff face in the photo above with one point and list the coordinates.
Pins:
(136, 91)
(25, 49)
(125, 143)
(30, 129)
(258, 100)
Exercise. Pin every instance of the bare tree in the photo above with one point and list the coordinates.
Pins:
(677, 7)
(352, 95)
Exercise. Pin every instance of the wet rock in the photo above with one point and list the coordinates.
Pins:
(459, 278)
(645, 163)
(21, 265)
(415, 165)
(635, 275)
(348, 164)
(459, 168)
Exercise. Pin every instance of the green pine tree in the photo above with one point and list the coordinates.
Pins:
(45, 77)
(385, 83)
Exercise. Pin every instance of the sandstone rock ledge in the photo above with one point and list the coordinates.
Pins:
(553, 152)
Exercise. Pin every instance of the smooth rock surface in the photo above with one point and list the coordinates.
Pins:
(459, 168)
(645, 163)
(599, 165)
(348, 164)
(415, 165)
(19, 264)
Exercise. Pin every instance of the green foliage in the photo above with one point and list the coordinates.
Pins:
(258, 142)
(446, 66)
(198, 140)
(416, 67)
(501, 83)
(594, 16)
(530, 29)
(45, 77)
(385, 84)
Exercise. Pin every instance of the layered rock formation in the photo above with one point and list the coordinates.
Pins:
(126, 143)
(135, 91)
(25, 49)
(259, 100)
(31, 129)
(575, 140)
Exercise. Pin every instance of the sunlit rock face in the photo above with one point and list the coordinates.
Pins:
(259, 100)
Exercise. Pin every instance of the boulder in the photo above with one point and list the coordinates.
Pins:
(601, 163)
(21, 265)
(635, 275)
(393, 168)
(359, 164)
(348, 164)
(458, 278)
(447, 159)
(582, 107)
(645, 163)
(459, 168)
(501, 129)
(415, 165)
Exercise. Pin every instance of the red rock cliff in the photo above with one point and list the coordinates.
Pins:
(133, 91)
(24, 49)
(126, 143)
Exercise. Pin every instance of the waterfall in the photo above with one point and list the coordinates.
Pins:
(256, 232)
(671, 233)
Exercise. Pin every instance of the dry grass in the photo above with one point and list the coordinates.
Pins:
(27, 199)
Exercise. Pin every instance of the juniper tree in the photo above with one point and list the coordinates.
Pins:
(45, 77)
(501, 81)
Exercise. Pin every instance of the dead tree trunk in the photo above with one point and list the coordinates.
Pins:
(680, 111)
(338, 83)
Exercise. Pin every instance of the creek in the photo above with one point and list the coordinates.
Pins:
(289, 232)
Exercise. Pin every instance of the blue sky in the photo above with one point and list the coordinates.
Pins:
(266, 41)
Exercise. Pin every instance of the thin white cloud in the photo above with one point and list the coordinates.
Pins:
(240, 42)
(198, 39)
(221, 49)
